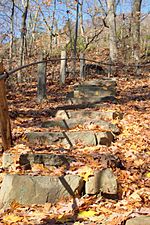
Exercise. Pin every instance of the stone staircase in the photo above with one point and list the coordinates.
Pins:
(94, 128)
(95, 91)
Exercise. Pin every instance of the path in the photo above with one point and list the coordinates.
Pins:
(94, 128)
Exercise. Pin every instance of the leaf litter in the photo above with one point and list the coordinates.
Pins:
(132, 147)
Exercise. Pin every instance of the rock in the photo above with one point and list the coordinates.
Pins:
(72, 123)
(27, 160)
(93, 68)
(93, 100)
(108, 182)
(7, 160)
(46, 159)
(83, 137)
(141, 220)
(103, 181)
(27, 189)
(86, 114)
(107, 82)
(104, 138)
(92, 185)
(106, 126)
(46, 138)
(70, 138)
(92, 90)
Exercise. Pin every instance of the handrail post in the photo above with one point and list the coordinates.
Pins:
(5, 127)
(63, 67)
(82, 66)
(41, 83)
(110, 68)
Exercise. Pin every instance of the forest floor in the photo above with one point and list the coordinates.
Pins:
(132, 147)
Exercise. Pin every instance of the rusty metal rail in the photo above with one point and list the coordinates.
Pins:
(8, 73)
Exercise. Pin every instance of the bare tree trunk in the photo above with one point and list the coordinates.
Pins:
(12, 35)
(81, 19)
(70, 32)
(52, 26)
(34, 23)
(136, 12)
(5, 127)
(112, 30)
(76, 37)
(23, 35)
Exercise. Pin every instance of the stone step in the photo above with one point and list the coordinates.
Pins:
(28, 159)
(105, 82)
(86, 114)
(104, 181)
(70, 138)
(94, 88)
(140, 220)
(89, 100)
(29, 189)
(91, 90)
(72, 123)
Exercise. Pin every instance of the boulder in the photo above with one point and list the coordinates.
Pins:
(140, 220)
(103, 181)
(27, 189)
(93, 68)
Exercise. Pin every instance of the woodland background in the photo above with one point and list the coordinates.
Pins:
(29, 27)
(115, 32)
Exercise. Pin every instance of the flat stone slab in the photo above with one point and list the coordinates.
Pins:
(140, 220)
(91, 90)
(27, 189)
(86, 114)
(72, 123)
(70, 139)
(105, 82)
(103, 181)
(86, 100)
(102, 82)
(27, 160)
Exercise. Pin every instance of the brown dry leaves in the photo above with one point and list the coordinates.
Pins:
(132, 146)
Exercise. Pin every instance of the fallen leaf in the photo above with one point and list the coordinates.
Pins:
(12, 218)
(85, 172)
(86, 214)
(148, 175)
